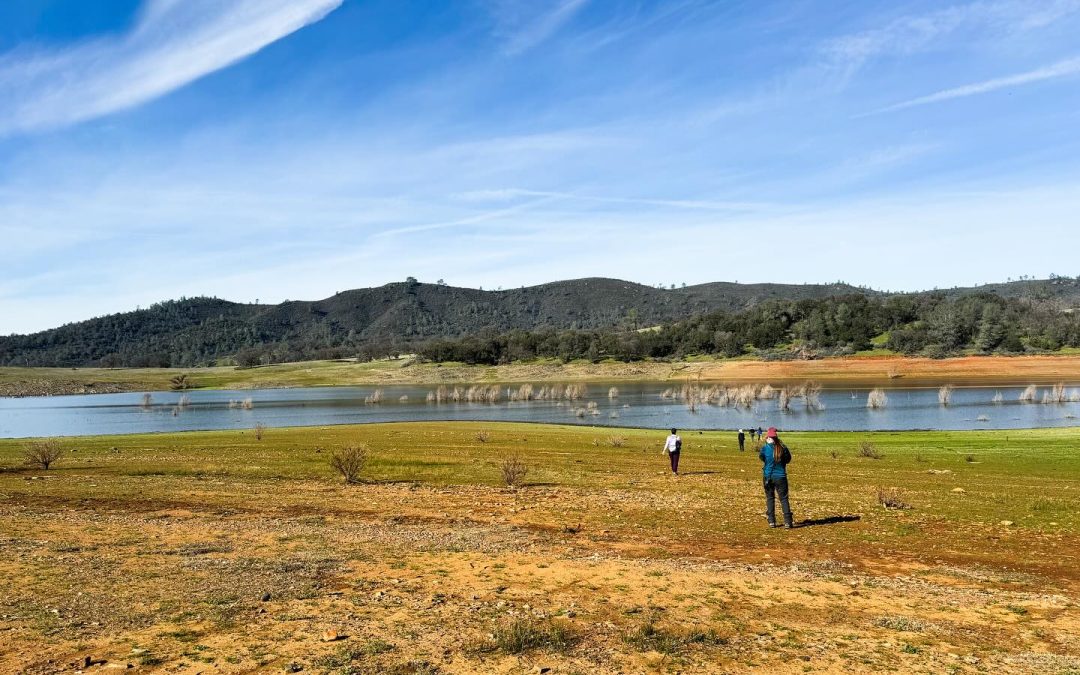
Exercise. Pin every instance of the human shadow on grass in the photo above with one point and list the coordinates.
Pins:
(830, 520)
(698, 473)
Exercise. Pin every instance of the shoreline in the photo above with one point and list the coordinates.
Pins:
(16, 382)
(494, 424)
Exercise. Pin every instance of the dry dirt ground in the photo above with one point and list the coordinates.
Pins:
(602, 564)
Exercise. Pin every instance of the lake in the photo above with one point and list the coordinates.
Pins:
(648, 405)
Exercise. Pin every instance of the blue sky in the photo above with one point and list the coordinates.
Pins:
(288, 149)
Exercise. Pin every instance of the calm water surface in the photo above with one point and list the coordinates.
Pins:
(638, 405)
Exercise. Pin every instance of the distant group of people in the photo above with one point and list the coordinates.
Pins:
(774, 456)
(752, 432)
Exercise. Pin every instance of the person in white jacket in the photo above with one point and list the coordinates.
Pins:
(673, 447)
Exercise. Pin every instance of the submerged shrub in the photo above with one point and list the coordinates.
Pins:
(944, 394)
(877, 399)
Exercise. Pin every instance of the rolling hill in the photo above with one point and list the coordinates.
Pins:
(204, 330)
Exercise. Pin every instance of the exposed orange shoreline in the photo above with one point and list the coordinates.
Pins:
(896, 371)
(900, 370)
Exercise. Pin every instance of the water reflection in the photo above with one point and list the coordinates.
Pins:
(652, 405)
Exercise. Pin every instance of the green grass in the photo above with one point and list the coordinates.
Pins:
(1027, 477)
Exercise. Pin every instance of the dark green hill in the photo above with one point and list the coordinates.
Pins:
(199, 331)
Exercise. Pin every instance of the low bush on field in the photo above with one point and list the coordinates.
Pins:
(514, 470)
(869, 450)
(42, 454)
(350, 460)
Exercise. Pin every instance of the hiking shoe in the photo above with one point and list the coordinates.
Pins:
(773, 525)
(788, 526)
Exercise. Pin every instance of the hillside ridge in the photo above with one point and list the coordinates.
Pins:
(202, 330)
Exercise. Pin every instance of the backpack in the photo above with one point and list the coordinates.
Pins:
(785, 455)
(678, 444)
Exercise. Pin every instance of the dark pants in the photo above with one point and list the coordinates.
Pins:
(777, 487)
(742, 444)
(674, 457)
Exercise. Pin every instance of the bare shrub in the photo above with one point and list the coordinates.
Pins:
(483, 436)
(514, 471)
(834, 454)
(43, 453)
(147, 400)
(877, 399)
(894, 373)
(944, 394)
(431, 397)
(184, 402)
(247, 404)
(869, 450)
(616, 441)
(404, 398)
(812, 396)
(999, 398)
(374, 398)
(180, 382)
(892, 498)
(613, 393)
(784, 399)
(1029, 394)
(260, 428)
(575, 391)
(1058, 393)
(349, 460)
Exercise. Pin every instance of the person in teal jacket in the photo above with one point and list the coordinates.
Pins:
(774, 457)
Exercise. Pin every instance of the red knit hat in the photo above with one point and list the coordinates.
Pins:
(771, 433)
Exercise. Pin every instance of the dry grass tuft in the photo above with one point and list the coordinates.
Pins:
(892, 498)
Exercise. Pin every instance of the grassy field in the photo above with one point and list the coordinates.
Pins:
(859, 370)
(218, 552)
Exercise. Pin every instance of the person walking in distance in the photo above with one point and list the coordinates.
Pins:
(742, 441)
(775, 457)
(673, 446)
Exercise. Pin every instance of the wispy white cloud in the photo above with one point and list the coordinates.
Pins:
(511, 194)
(915, 33)
(523, 25)
(1053, 71)
(172, 44)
